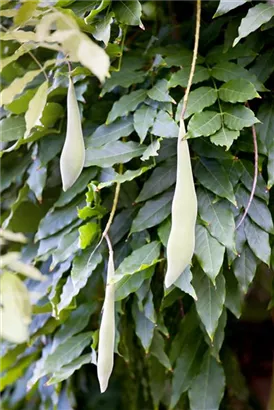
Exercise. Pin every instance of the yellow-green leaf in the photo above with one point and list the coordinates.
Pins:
(36, 107)
(17, 86)
(15, 309)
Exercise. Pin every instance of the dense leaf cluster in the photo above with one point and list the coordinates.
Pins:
(168, 342)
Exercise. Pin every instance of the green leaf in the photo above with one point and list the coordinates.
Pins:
(121, 178)
(157, 376)
(181, 77)
(265, 130)
(219, 336)
(164, 126)
(64, 354)
(51, 243)
(51, 113)
(22, 196)
(79, 186)
(143, 120)
(227, 71)
(210, 299)
(153, 212)
(184, 283)
(256, 16)
(224, 137)
(110, 133)
(20, 105)
(37, 178)
(66, 371)
(36, 107)
(17, 86)
(234, 296)
(13, 374)
(217, 55)
(207, 389)
(204, 124)
(128, 13)
(159, 92)
(76, 322)
(87, 234)
(9, 357)
(224, 7)
(258, 210)
(270, 167)
(113, 153)
(263, 66)
(164, 230)
(25, 12)
(238, 90)
(204, 148)
(139, 260)
(103, 5)
(102, 29)
(209, 252)
(162, 178)
(218, 216)
(244, 268)
(151, 150)
(157, 349)
(126, 104)
(258, 240)
(17, 53)
(198, 99)
(144, 328)
(247, 178)
(82, 268)
(55, 220)
(126, 77)
(213, 176)
(131, 283)
(67, 247)
(12, 128)
(236, 117)
(188, 365)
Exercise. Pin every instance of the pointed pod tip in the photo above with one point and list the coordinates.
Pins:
(168, 282)
(103, 385)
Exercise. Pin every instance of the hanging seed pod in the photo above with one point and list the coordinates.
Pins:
(181, 242)
(107, 331)
(73, 153)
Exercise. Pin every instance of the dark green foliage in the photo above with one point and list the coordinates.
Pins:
(172, 348)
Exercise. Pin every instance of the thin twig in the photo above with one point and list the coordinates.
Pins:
(194, 58)
(111, 216)
(110, 250)
(254, 178)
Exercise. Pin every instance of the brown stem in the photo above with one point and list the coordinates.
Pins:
(194, 58)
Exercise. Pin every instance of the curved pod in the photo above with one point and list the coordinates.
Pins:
(181, 242)
(107, 331)
(73, 153)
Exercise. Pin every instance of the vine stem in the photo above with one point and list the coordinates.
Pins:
(194, 58)
(111, 216)
(254, 178)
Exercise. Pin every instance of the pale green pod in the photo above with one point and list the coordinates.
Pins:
(181, 242)
(73, 154)
(15, 311)
(107, 331)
